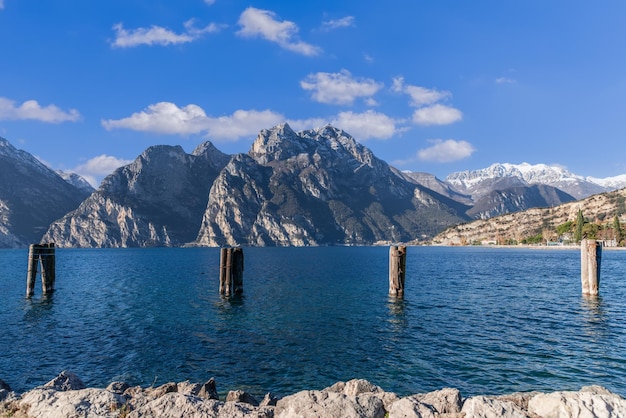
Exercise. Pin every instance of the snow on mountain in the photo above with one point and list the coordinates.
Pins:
(611, 183)
(531, 174)
(578, 186)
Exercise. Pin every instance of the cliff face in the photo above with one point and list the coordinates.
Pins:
(318, 187)
(531, 222)
(158, 200)
(31, 196)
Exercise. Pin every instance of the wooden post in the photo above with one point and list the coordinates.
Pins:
(397, 269)
(231, 271)
(590, 263)
(223, 280)
(47, 268)
(238, 271)
(42, 255)
(33, 260)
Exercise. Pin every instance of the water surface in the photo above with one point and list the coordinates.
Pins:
(484, 320)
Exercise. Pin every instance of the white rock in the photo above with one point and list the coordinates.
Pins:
(85, 403)
(484, 407)
(310, 404)
(410, 407)
(594, 401)
(178, 405)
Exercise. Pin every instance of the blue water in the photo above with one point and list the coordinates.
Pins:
(486, 321)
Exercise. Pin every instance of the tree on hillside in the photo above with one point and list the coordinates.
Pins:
(617, 227)
(580, 221)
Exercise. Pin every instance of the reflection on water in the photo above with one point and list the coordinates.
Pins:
(397, 313)
(37, 309)
(595, 318)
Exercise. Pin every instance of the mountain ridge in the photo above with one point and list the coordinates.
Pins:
(313, 187)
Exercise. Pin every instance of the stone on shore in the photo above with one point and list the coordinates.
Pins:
(358, 398)
(65, 381)
(51, 403)
(590, 401)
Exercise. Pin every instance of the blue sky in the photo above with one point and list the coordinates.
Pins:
(433, 86)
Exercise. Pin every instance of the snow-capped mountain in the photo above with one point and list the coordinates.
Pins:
(479, 182)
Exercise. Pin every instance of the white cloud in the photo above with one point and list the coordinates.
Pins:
(420, 96)
(311, 123)
(363, 126)
(243, 123)
(168, 118)
(445, 151)
(31, 109)
(344, 22)
(339, 88)
(209, 2)
(262, 23)
(157, 35)
(437, 114)
(99, 166)
(1, 4)
(366, 125)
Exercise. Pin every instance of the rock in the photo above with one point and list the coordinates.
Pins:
(209, 390)
(486, 407)
(118, 387)
(177, 405)
(410, 407)
(187, 388)
(593, 401)
(520, 399)
(444, 401)
(50, 403)
(309, 404)
(65, 381)
(163, 389)
(241, 396)
(269, 400)
(242, 410)
(355, 387)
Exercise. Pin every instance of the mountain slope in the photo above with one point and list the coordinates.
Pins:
(157, 200)
(31, 197)
(517, 226)
(511, 199)
(318, 187)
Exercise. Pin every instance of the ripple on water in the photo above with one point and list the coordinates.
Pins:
(483, 320)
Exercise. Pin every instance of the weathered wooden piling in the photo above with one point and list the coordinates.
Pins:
(231, 271)
(590, 263)
(237, 271)
(397, 270)
(41, 255)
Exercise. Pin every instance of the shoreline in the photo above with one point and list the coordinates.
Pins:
(67, 396)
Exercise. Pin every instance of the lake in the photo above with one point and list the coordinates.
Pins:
(484, 320)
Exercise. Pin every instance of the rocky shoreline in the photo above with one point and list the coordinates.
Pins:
(66, 396)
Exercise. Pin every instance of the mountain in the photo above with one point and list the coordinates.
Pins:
(600, 208)
(510, 198)
(31, 197)
(480, 182)
(318, 187)
(77, 181)
(157, 200)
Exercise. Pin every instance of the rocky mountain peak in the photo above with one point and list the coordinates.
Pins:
(278, 143)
